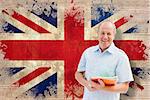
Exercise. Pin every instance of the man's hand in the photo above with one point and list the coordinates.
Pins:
(79, 76)
(97, 86)
(89, 86)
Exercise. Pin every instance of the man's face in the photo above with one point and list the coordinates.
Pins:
(106, 35)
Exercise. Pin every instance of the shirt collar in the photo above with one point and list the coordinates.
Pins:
(110, 49)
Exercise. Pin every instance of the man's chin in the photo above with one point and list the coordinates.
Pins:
(106, 45)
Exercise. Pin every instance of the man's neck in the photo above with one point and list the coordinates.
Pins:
(102, 49)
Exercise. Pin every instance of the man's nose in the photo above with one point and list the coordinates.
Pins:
(105, 36)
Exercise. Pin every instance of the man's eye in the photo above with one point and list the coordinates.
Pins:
(108, 33)
(102, 33)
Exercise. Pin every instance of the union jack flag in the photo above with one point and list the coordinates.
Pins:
(42, 41)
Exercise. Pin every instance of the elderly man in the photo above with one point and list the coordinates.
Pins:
(104, 59)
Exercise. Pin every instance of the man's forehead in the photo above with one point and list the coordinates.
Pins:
(106, 25)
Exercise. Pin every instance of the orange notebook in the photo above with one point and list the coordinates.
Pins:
(109, 81)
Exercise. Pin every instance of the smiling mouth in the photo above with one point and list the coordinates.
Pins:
(104, 41)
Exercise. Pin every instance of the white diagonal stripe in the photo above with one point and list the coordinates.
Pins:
(59, 35)
(21, 74)
(127, 26)
(36, 19)
(18, 24)
(137, 79)
(35, 64)
(141, 81)
(34, 82)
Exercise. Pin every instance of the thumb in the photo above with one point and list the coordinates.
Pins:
(101, 82)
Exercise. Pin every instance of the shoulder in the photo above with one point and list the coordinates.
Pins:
(120, 53)
(90, 49)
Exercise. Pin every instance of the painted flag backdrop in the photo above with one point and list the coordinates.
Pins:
(41, 42)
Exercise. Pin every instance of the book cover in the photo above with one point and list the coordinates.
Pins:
(108, 81)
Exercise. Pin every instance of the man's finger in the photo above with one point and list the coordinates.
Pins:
(101, 82)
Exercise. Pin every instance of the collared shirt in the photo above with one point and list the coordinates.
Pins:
(112, 62)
